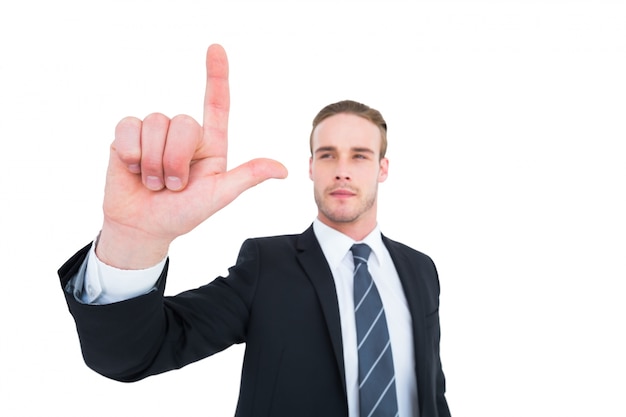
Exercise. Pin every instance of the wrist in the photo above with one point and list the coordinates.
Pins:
(125, 247)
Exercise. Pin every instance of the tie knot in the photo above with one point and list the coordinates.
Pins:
(361, 252)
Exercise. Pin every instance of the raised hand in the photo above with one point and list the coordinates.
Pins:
(165, 177)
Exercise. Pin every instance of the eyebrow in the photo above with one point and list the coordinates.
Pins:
(334, 149)
(362, 150)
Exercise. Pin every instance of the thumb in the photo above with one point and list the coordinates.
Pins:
(247, 175)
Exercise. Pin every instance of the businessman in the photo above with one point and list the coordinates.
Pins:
(337, 321)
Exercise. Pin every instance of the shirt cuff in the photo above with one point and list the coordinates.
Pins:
(105, 284)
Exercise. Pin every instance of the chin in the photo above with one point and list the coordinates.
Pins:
(341, 217)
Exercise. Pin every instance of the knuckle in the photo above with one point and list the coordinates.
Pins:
(127, 154)
(156, 119)
(127, 139)
(154, 129)
(129, 128)
(184, 119)
(129, 122)
(155, 125)
(184, 126)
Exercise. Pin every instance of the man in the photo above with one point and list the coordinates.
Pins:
(337, 321)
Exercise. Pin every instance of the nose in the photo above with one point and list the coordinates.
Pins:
(342, 169)
(342, 173)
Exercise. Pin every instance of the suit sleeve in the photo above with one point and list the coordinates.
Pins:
(431, 379)
(440, 380)
(150, 334)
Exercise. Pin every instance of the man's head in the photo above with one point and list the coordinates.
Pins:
(347, 162)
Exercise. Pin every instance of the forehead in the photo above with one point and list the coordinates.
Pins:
(346, 130)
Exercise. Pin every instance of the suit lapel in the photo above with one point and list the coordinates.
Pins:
(314, 263)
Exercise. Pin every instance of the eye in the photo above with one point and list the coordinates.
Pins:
(325, 156)
(359, 156)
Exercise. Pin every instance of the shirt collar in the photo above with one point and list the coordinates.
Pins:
(336, 245)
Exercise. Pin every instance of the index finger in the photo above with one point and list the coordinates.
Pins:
(216, 102)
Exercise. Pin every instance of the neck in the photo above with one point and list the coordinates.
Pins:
(355, 230)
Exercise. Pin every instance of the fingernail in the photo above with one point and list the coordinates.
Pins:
(173, 183)
(154, 183)
(134, 168)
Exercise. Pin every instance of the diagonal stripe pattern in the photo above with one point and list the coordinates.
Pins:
(377, 386)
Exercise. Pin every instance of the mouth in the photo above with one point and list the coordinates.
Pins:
(342, 193)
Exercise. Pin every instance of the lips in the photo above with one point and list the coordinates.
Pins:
(342, 192)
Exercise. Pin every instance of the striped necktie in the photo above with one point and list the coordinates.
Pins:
(377, 386)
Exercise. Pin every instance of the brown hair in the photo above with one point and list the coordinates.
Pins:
(358, 109)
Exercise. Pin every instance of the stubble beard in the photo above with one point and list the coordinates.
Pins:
(344, 213)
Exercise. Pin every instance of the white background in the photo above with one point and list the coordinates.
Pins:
(507, 131)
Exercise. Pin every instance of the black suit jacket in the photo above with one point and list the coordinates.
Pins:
(280, 300)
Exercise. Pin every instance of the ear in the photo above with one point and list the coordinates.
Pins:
(383, 172)
(311, 168)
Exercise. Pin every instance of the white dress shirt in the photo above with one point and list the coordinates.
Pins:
(103, 284)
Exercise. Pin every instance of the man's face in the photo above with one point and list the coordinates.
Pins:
(346, 168)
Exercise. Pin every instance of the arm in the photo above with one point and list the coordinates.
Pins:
(165, 177)
(150, 334)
